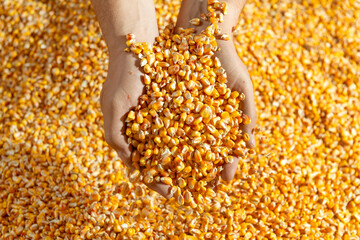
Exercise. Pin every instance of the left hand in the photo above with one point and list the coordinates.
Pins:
(238, 76)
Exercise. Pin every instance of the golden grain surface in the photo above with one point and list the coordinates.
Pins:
(60, 180)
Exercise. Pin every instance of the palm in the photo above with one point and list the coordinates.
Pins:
(237, 74)
(119, 95)
(238, 80)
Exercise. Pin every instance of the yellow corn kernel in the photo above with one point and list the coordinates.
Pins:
(148, 179)
(210, 193)
(208, 90)
(246, 119)
(181, 182)
(187, 169)
(180, 167)
(187, 196)
(131, 116)
(199, 199)
(147, 68)
(135, 127)
(191, 182)
(180, 199)
(95, 197)
(166, 180)
(229, 159)
(117, 228)
(134, 176)
(206, 112)
(174, 69)
(150, 59)
(195, 21)
(246, 137)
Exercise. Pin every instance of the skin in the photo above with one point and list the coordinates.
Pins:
(238, 76)
(123, 86)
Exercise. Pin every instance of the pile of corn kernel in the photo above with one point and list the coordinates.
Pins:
(60, 180)
(187, 123)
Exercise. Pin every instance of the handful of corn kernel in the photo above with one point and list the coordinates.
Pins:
(187, 124)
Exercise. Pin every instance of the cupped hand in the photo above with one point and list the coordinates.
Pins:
(123, 86)
(120, 94)
(238, 76)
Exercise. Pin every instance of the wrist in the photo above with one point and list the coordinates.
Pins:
(194, 8)
(143, 33)
(117, 18)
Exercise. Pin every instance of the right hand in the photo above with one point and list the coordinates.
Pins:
(123, 86)
(120, 94)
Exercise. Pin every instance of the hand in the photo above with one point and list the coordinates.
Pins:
(123, 86)
(238, 76)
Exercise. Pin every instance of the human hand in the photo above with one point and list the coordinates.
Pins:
(123, 86)
(238, 76)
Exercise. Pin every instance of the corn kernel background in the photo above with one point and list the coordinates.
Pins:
(60, 180)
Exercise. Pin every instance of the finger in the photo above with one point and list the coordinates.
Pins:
(161, 188)
(124, 152)
(125, 157)
(114, 130)
(239, 80)
(244, 85)
(115, 137)
(248, 108)
(248, 105)
(229, 170)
